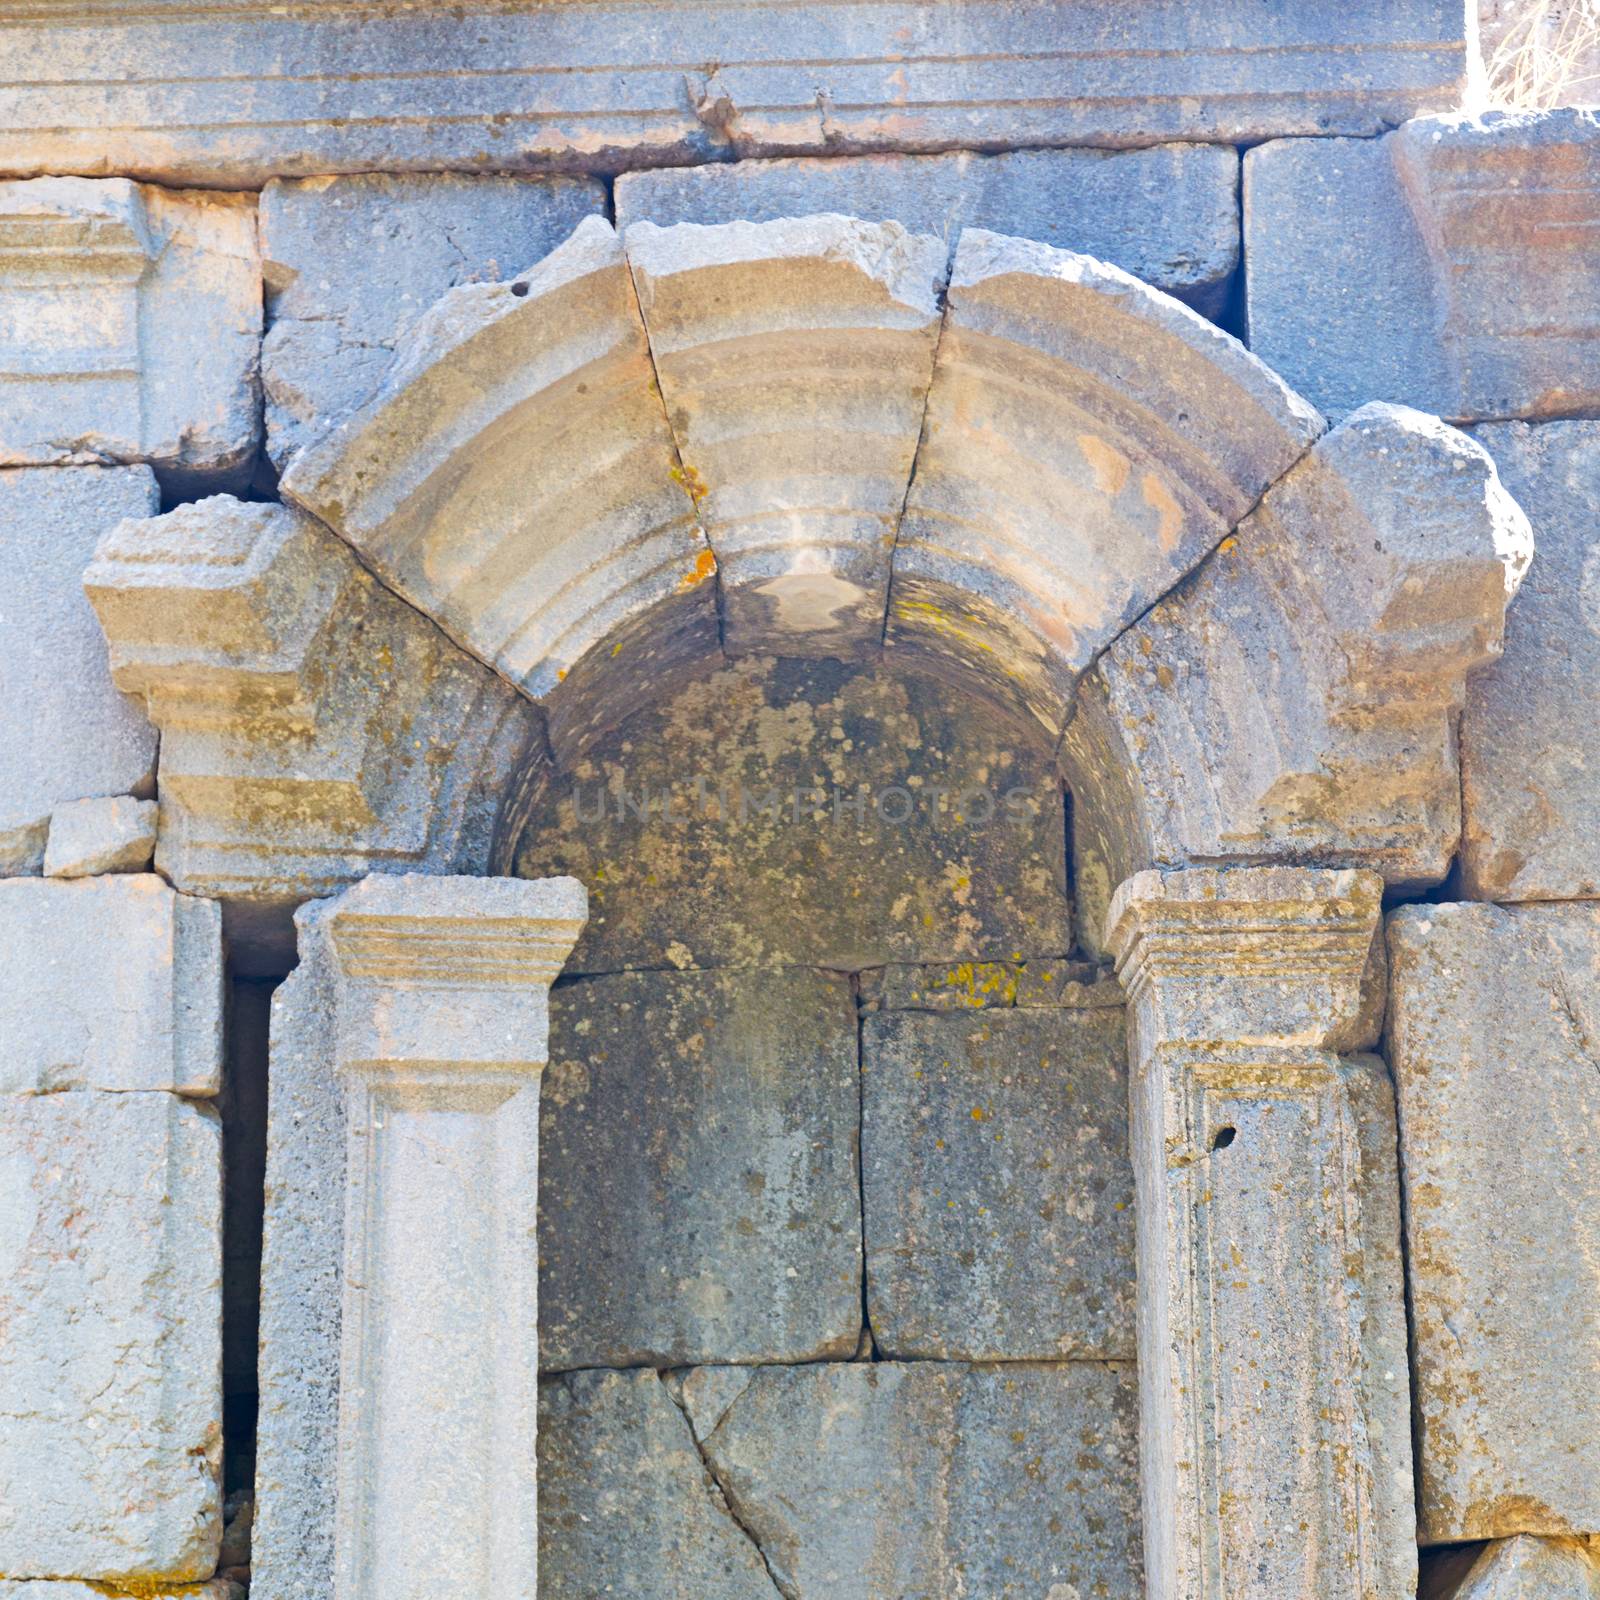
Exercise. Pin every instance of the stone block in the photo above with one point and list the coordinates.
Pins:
(89, 837)
(314, 727)
(1168, 214)
(351, 263)
(1371, 579)
(69, 1589)
(698, 1194)
(869, 1479)
(1525, 1568)
(794, 359)
(1087, 441)
(516, 479)
(712, 828)
(600, 86)
(1448, 265)
(984, 985)
(110, 1306)
(68, 734)
(997, 1184)
(110, 983)
(625, 1499)
(1530, 744)
(1494, 1035)
(134, 318)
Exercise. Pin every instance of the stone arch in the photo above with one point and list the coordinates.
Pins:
(1247, 634)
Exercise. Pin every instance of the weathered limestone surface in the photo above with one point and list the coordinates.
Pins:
(314, 727)
(110, 1336)
(68, 733)
(766, 788)
(1495, 1038)
(1272, 1329)
(88, 837)
(1168, 215)
(794, 359)
(109, 983)
(1449, 266)
(352, 263)
(1087, 441)
(131, 318)
(997, 1183)
(48, 1589)
(381, 86)
(1530, 743)
(442, 482)
(625, 1499)
(1296, 697)
(441, 1030)
(698, 1148)
(1525, 1568)
(871, 1479)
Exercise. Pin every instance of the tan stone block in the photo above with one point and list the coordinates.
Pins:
(1525, 1568)
(110, 1355)
(135, 315)
(109, 983)
(89, 837)
(1494, 1036)
(1087, 441)
(794, 358)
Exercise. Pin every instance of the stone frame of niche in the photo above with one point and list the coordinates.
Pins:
(1247, 632)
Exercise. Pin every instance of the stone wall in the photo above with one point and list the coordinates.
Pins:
(836, 1228)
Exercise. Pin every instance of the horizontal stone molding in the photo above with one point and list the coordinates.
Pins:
(374, 85)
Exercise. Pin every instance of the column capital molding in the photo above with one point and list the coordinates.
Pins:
(1246, 955)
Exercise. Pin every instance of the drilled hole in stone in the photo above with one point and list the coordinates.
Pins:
(519, 290)
(1223, 1137)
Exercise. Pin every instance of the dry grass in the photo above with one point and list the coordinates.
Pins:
(1542, 53)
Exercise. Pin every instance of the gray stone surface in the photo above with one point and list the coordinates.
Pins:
(68, 733)
(1447, 266)
(1494, 1036)
(1530, 742)
(1525, 1568)
(609, 85)
(68, 1589)
(131, 315)
(110, 1336)
(698, 1193)
(869, 1480)
(88, 837)
(1168, 215)
(351, 263)
(712, 877)
(109, 983)
(626, 1506)
(997, 1184)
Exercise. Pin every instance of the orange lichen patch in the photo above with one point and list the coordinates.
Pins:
(1110, 467)
(1170, 514)
(705, 565)
(689, 480)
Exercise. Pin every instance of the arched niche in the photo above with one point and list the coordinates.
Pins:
(1244, 634)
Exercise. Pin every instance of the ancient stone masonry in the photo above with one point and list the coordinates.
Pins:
(849, 653)
(375, 85)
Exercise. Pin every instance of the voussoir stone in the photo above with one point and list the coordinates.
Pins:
(1448, 265)
(794, 358)
(135, 315)
(698, 1196)
(624, 1493)
(110, 983)
(351, 262)
(868, 1479)
(1168, 215)
(1526, 1568)
(1494, 1037)
(1530, 744)
(1087, 441)
(110, 1336)
(1361, 591)
(997, 1183)
(88, 837)
(69, 734)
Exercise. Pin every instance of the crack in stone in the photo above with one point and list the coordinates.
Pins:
(721, 1494)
